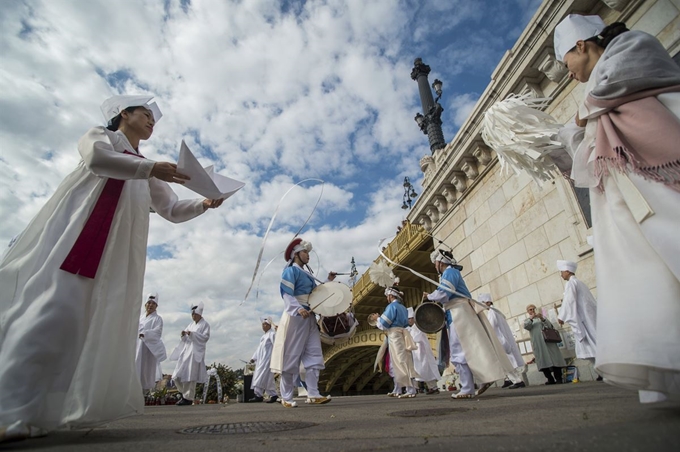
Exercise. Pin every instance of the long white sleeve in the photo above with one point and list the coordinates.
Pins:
(99, 156)
(166, 204)
(291, 305)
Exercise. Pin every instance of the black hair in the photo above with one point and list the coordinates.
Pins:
(115, 122)
(608, 34)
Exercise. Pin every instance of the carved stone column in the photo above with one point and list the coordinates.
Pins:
(428, 167)
(553, 69)
(433, 213)
(440, 203)
(482, 154)
(449, 192)
(470, 168)
(425, 222)
(459, 180)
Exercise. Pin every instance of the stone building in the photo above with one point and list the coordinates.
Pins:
(504, 229)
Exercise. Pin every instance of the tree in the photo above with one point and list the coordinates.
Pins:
(228, 379)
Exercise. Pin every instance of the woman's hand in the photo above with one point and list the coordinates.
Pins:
(167, 172)
(303, 313)
(212, 203)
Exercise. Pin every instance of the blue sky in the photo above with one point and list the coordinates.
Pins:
(271, 93)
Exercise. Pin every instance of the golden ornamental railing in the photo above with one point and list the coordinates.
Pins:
(409, 239)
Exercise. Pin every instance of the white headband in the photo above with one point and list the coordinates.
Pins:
(394, 292)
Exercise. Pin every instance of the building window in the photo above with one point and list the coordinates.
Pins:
(583, 198)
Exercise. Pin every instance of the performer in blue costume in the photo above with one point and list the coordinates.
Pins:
(297, 339)
(468, 329)
(394, 321)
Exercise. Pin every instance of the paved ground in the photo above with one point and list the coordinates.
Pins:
(569, 417)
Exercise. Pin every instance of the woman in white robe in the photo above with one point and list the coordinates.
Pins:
(63, 333)
(627, 154)
(500, 325)
(150, 348)
(190, 356)
(423, 358)
(263, 378)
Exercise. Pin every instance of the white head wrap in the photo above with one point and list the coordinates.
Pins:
(574, 28)
(484, 297)
(438, 255)
(303, 245)
(567, 266)
(266, 320)
(153, 296)
(394, 292)
(198, 309)
(114, 105)
(410, 313)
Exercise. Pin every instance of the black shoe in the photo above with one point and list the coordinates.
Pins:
(256, 399)
(506, 383)
(273, 399)
(550, 382)
(599, 378)
(184, 401)
(518, 385)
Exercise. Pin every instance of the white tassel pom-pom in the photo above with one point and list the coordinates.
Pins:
(381, 273)
(522, 135)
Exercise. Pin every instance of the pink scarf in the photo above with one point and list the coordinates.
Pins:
(639, 134)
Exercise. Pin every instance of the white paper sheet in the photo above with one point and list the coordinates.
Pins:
(205, 181)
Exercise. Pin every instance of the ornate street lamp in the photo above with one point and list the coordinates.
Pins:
(409, 195)
(353, 273)
(430, 120)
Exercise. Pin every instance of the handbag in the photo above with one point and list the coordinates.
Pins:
(551, 335)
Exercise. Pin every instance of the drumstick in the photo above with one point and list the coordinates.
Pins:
(321, 302)
(341, 274)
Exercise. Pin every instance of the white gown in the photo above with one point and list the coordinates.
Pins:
(150, 350)
(505, 336)
(579, 311)
(263, 377)
(190, 353)
(62, 336)
(637, 266)
(423, 358)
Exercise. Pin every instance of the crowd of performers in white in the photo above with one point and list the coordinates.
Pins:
(72, 278)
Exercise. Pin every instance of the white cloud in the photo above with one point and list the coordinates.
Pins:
(269, 97)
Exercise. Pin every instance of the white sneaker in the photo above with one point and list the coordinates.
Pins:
(318, 400)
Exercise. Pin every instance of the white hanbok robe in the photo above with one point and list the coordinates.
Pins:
(505, 336)
(637, 266)
(63, 335)
(263, 378)
(423, 358)
(190, 353)
(150, 350)
(579, 311)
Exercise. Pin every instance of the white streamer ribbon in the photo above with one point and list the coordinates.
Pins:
(271, 222)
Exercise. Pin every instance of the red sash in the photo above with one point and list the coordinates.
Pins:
(86, 253)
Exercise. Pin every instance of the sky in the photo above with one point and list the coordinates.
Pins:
(270, 92)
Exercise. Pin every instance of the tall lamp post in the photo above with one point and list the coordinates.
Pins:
(353, 273)
(409, 195)
(430, 120)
